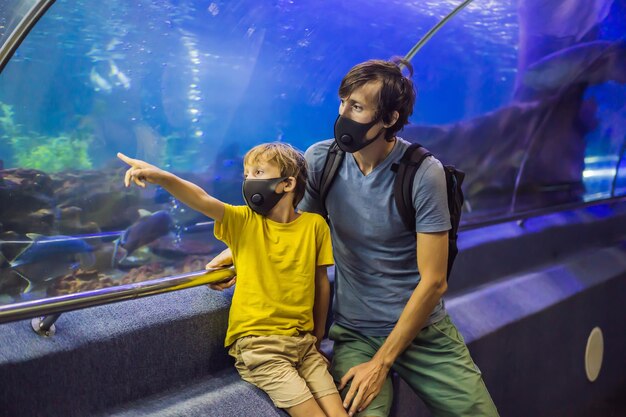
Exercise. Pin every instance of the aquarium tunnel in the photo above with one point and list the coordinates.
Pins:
(104, 307)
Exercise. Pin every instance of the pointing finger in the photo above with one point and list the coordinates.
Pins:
(129, 161)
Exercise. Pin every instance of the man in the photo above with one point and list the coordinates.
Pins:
(389, 281)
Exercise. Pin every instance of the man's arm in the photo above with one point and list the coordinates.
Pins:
(322, 299)
(368, 378)
(315, 157)
(183, 190)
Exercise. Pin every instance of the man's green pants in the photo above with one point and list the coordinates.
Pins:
(436, 365)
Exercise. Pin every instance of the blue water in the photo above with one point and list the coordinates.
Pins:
(191, 85)
(250, 72)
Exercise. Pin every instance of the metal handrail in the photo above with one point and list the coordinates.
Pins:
(109, 295)
(525, 215)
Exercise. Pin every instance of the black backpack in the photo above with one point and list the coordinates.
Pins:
(405, 171)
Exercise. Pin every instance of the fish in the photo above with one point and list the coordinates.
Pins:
(546, 27)
(118, 76)
(148, 228)
(572, 19)
(48, 257)
(99, 82)
(105, 76)
(112, 44)
(109, 53)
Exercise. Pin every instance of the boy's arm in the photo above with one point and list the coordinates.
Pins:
(222, 260)
(183, 190)
(322, 299)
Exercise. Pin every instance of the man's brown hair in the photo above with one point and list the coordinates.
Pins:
(397, 92)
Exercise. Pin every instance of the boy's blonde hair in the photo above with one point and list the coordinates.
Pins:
(288, 159)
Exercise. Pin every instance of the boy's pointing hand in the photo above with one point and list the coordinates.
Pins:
(140, 171)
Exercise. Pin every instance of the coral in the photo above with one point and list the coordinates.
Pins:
(46, 153)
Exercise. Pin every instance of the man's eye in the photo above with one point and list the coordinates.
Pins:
(357, 107)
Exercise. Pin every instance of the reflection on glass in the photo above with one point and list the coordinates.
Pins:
(525, 97)
(11, 13)
(619, 183)
(606, 140)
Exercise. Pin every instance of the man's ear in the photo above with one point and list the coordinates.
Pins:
(393, 119)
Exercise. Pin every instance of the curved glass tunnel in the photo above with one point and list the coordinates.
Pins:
(533, 114)
(527, 97)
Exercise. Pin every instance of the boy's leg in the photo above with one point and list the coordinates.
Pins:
(269, 362)
(332, 405)
(438, 367)
(309, 408)
(315, 372)
(352, 349)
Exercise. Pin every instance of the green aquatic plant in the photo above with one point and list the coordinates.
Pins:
(56, 153)
(8, 126)
(46, 153)
(11, 132)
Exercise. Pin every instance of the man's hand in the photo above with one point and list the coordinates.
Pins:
(367, 381)
(140, 171)
(223, 259)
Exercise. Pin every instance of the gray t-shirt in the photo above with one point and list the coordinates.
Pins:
(375, 255)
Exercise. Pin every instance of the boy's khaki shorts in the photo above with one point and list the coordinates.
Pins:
(288, 368)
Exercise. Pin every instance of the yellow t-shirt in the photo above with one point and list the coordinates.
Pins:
(275, 265)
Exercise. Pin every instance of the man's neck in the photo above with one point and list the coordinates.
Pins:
(373, 154)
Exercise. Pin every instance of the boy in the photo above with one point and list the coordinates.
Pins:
(278, 313)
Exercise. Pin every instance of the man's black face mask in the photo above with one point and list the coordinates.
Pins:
(260, 194)
(350, 135)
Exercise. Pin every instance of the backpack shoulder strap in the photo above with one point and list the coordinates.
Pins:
(331, 165)
(405, 171)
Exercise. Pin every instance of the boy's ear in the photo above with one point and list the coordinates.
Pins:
(290, 184)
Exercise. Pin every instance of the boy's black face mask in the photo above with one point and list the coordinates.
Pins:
(261, 195)
(350, 135)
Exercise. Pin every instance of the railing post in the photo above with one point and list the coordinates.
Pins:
(44, 326)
